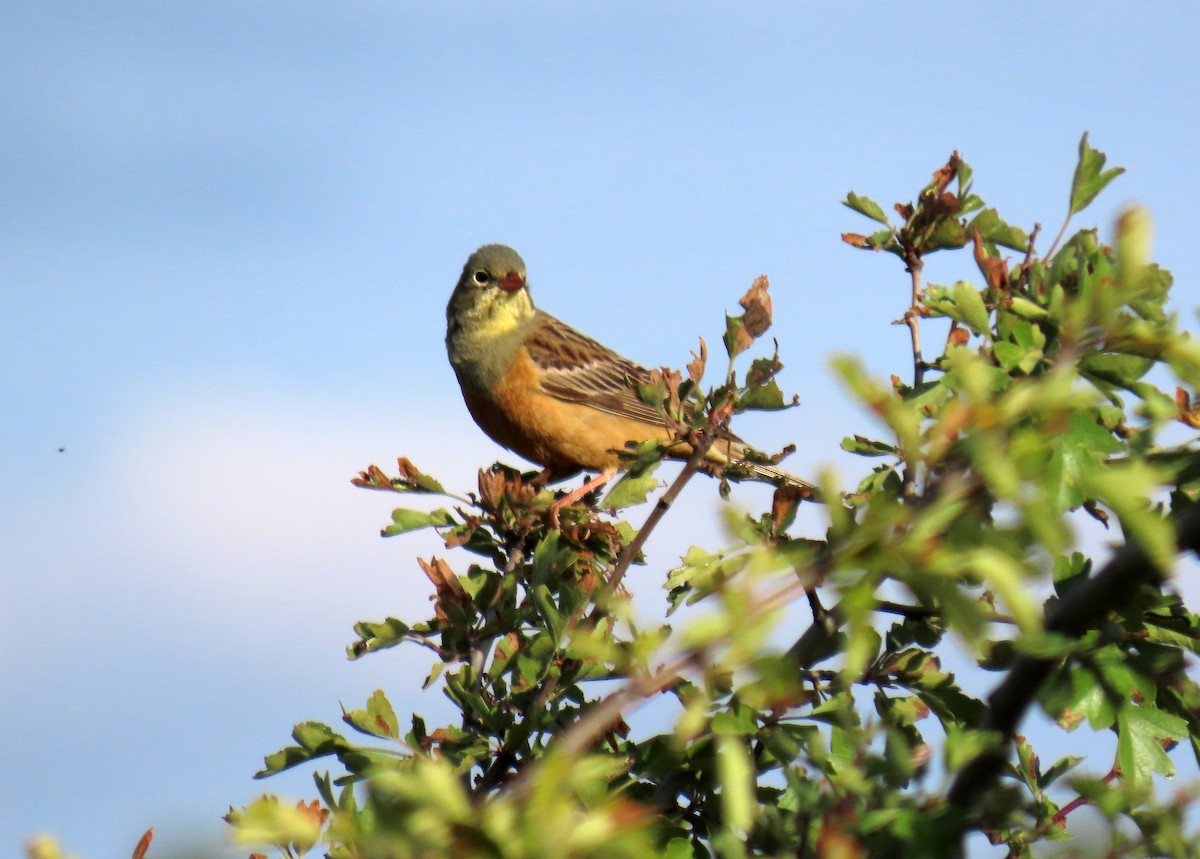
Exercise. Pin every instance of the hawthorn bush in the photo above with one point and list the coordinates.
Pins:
(1061, 387)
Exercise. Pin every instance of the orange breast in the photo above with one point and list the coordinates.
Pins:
(564, 436)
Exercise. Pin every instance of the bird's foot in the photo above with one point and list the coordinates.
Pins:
(571, 497)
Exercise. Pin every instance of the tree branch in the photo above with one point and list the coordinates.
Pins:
(700, 449)
(912, 318)
(1079, 611)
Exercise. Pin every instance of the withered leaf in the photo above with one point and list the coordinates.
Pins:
(943, 176)
(372, 478)
(446, 584)
(757, 304)
(994, 269)
(143, 844)
(784, 503)
(1094, 510)
(413, 478)
(1187, 414)
(313, 811)
(696, 367)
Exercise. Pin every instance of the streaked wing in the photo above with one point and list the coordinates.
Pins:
(577, 369)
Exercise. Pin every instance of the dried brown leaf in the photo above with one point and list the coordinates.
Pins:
(143, 844)
(943, 176)
(1187, 414)
(784, 502)
(313, 811)
(372, 478)
(696, 367)
(994, 269)
(1094, 510)
(757, 304)
(446, 584)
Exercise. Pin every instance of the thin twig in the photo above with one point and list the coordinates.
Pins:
(482, 648)
(690, 468)
(1027, 263)
(920, 612)
(1061, 232)
(604, 714)
(912, 318)
(1061, 815)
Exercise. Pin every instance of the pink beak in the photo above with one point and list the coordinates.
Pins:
(511, 282)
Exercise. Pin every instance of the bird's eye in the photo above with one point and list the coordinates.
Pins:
(482, 278)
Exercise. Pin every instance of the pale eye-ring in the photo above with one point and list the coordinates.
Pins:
(481, 277)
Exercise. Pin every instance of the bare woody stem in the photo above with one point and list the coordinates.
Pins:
(482, 648)
(578, 738)
(912, 318)
(605, 713)
(693, 465)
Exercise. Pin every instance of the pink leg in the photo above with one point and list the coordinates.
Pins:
(571, 497)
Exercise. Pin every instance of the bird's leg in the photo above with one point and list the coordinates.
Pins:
(571, 497)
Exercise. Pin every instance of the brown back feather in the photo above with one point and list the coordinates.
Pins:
(577, 369)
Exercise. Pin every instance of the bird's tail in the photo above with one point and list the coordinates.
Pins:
(731, 452)
(775, 474)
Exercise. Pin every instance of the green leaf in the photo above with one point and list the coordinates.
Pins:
(735, 772)
(765, 397)
(266, 820)
(1028, 335)
(971, 306)
(1126, 490)
(1009, 354)
(652, 393)
(633, 487)
(377, 636)
(1026, 309)
(1135, 232)
(865, 206)
(963, 173)
(404, 521)
(947, 235)
(314, 740)
(1114, 369)
(867, 447)
(993, 229)
(1090, 176)
(377, 720)
(1142, 731)
(1060, 768)
(544, 600)
(1076, 454)
(963, 745)
(1162, 634)
(736, 339)
(679, 848)
(1007, 576)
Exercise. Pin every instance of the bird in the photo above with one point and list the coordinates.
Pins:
(550, 393)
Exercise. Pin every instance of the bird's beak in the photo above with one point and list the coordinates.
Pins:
(511, 282)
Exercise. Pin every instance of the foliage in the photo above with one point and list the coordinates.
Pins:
(1063, 394)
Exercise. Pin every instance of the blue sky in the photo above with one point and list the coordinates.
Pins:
(227, 234)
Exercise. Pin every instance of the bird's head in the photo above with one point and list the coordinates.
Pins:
(491, 291)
